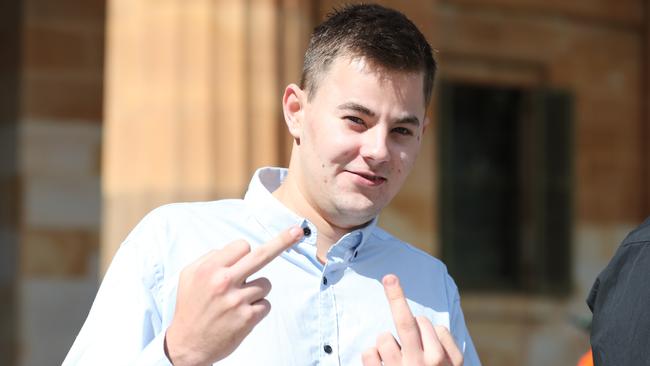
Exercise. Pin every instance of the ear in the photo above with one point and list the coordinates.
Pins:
(293, 105)
(427, 122)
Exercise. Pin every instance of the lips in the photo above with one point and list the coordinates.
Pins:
(368, 178)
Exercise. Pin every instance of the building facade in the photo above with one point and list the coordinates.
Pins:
(535, 166)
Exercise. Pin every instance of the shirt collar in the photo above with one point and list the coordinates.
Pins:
(275, 217)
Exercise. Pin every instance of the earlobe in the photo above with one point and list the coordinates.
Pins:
(293, 108)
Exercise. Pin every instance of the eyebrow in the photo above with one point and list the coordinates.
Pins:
(409, 120)
(357, 108)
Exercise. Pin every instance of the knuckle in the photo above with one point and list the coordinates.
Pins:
(435, 358)
(422, 318)
(221, 282)
(404, 324)
(240, 245)
(247, 315)
(262, 251)
(251, 315)
(265, 284)
(264, 307)
(201, 268)
(233, 301)
(369, 354)
(385, 339)
(441, 329)
(265, 281)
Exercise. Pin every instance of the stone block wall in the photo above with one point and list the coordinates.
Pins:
(59, 145)
(595, 50)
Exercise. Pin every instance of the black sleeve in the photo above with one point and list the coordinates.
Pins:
(620, 302)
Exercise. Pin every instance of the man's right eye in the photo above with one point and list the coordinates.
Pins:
(355, 120)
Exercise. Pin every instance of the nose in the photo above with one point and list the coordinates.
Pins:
(374, 146)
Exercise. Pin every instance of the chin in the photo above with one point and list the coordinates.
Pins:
(358, 214)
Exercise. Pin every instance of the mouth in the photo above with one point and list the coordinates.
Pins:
(368, 178)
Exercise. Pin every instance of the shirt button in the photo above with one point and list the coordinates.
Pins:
(306, 230)
(327, 348)
(324, 280)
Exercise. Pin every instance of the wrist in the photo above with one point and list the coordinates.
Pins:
(178, 354)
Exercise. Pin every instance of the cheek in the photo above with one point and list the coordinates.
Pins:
(403, 162)
(339, 147)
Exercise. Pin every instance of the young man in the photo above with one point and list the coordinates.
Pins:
(186, 287)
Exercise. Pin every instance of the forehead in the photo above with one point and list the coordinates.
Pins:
(361, 80)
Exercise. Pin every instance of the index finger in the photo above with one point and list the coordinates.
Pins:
(262, 255)
(407, 327)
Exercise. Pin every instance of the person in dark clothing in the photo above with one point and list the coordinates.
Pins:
(620, 303)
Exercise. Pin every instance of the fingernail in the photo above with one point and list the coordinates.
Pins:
(296, 232)
(390, 280)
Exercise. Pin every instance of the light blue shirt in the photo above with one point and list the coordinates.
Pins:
(340, 304)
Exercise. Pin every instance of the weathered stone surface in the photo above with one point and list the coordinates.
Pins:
(63, 98)
(211, 92)
(600, 66)
(53, 311)
(63, 253)
(192, 107)
(65, 11)
(623, 13)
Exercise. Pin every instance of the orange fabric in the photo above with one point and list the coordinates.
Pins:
(586, 360)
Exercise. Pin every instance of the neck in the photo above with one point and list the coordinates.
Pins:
(292, 197)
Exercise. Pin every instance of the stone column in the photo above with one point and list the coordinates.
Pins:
(192, 108)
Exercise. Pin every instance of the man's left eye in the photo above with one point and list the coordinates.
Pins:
(403, 131)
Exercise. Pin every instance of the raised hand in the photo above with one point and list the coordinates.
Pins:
(423, 344)
(215, 307)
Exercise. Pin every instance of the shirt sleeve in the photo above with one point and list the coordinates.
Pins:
(124, 325)
(458, 328)
(620, 330)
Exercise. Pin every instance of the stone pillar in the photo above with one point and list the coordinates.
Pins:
(192, 108)
(10, 193)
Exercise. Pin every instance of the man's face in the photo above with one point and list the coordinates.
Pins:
(358, 139)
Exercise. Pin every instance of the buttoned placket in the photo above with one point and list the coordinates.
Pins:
(338, 259)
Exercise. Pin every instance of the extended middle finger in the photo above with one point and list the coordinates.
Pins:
(262, 255)
(405, 323)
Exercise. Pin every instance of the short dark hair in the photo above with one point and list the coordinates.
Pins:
(385, 36)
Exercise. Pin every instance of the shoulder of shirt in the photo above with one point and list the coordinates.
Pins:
(640, 235)
(179, 209)
(395, 243)
(173, 217)
(160, 226)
